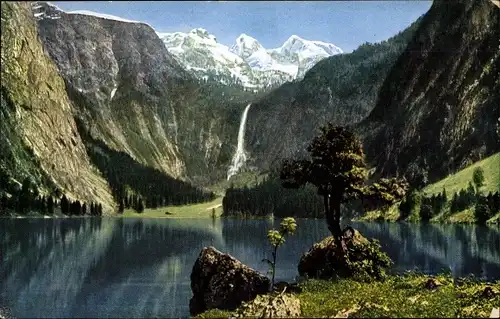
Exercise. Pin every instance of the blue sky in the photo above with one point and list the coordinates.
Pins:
(346, 24)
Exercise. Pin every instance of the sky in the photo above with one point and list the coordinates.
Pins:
(347, 24)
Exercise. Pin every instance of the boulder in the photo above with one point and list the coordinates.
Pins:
(270, 306)
(220, 281)
(432, 284)
(364, 258)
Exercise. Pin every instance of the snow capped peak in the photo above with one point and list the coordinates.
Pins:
(101, 15)
(247, 62)
(305, 49)
(203, 33)
(246, 46)
(45, 10)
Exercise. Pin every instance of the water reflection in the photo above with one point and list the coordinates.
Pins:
(108, 267)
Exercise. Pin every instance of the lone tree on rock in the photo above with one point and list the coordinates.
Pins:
(337, 168)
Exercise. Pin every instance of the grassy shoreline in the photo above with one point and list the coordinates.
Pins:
(199, 210)
(397, 296)
(392, 215)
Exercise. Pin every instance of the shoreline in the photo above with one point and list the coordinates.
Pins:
(409, 295)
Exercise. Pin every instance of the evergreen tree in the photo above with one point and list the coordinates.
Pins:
(121, 206)
(50, 205)
(84, 209)
(77, 208)
(65, 209)
(478, 177)
(4, 204)
(140, 206)
(43, 205)
(100, 209)
(482, 213)
(25, 197)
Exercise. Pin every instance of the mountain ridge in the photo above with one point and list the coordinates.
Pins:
(247, 62)
(437, 112)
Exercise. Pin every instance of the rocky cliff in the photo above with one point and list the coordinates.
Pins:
(439, 107)
(132, 94)
(39, 138)
(342, 89)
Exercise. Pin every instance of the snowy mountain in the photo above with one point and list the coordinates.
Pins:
(247, 62)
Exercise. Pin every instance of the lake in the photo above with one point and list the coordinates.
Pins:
(118, 267)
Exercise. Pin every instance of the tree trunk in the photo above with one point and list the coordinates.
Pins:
(332, 213)
(329, 214)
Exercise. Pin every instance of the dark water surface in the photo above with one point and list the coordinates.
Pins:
(112, 267)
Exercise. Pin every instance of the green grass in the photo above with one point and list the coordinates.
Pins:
(398, 296)
(202, 210)
(248, 179)
(458, 181)
(453, 183)
(391, 214)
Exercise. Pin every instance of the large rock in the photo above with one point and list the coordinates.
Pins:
(364, 259)
(221, 281)
(269, 306)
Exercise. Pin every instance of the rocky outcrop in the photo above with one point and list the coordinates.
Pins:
(438, 109)
(270, 306)
(123, 72)
(220, 281)
(39, 134)
(363, 260)
(130, 93)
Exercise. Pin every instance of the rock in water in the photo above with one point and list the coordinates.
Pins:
(365, 259)
(221, 281)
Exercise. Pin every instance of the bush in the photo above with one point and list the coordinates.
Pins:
(478, 177)
(482, 213)
(366, 261)
(426, 212)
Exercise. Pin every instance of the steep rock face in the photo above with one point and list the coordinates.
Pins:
(439, 106)
(124, 73)
(341, 89)
(131, 94)
(39, 136)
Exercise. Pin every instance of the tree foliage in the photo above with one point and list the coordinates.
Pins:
(277, 238)
(338, 170)
(478, 177)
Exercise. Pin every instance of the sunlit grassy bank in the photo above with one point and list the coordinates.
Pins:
(458, 181)
(201, 210)
(398, 296)
(452, 184)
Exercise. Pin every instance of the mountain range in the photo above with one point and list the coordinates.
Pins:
(247, 62)
(92, 104)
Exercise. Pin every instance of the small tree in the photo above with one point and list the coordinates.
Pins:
(121, 206)
(478, 177)
(50, 205)
(64, 205)
(337, 168)
(140, 206)
(277, 238)
(482, 213)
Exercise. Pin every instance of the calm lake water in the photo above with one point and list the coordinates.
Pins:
(111, 267)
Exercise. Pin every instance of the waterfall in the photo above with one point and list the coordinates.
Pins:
(239, 157)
